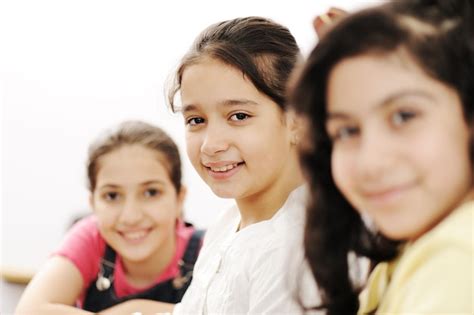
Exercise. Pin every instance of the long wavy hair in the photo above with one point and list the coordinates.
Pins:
(438, 34)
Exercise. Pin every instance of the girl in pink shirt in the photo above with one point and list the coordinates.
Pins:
(134, 247)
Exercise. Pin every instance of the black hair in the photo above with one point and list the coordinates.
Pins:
(438, 35)
(266, 52)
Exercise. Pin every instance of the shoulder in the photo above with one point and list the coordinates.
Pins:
(278, 249)
(83, 233)
(282, 235)
(83, 246)
(454, 233)
(456, 228)
(86, 225)
(286, 228)
(435, 272)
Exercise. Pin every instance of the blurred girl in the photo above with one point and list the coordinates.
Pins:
(135, 245)
(388, 98)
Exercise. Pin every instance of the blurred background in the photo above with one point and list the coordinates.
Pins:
(69, 70)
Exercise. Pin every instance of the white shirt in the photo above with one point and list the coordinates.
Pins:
(255, 270)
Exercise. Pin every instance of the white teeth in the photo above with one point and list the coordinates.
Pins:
(224, 168)
(135, 235)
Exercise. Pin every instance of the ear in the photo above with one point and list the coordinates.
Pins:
(181, 197)
(294, 123)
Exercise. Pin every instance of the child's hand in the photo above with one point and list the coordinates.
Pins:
(322, 23)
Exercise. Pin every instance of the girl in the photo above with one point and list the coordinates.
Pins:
(242, 142)
(388, 98)
(135, 245)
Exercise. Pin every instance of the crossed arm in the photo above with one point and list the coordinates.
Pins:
(56, 287)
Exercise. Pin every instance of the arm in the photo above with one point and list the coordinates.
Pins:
(46, 294)
(53, 290)
(144, 307)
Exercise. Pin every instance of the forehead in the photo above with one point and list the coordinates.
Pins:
(132, 161)
(365, 81)
(211, 81)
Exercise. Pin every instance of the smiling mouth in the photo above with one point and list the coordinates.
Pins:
(223, 172)
(135, 235)
(389, 194)
(225, 168)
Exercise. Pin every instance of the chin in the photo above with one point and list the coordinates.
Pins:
(397, 234)
(224, 193)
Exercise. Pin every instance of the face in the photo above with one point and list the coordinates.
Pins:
(237, 138)
(135, 202)
(400, 143)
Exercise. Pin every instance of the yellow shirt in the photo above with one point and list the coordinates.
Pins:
(433, 275)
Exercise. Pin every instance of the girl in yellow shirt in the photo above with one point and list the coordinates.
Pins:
(388, 95)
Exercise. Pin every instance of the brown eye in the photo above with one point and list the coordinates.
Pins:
(152, 192)
(344, 133)
(194, 121)
(402, 117)
(239, 116)
(111, 196)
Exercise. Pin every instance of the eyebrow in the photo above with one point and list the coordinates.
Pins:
(108, 186)
(225, 103)
(149, 182)
(385, 102)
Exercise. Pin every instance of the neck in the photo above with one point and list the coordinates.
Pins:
(143, 273)
(469, 196)
(264, 204)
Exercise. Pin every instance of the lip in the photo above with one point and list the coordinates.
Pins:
(222, 175)
(386, 195)
(220, 163)
(135, 236)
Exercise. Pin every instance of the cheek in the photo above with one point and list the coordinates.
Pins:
(273, 139)
(193, 147)
(448, 168)
(105, 221)
(275, 152)
(164, 211)
(341, 170)
(105, 215)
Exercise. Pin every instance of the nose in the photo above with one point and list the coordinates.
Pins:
(131, 213)
(375, 156)
(215, 140)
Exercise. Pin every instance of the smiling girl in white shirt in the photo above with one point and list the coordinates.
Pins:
(242, 142)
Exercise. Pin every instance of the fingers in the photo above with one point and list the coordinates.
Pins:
(322, 22)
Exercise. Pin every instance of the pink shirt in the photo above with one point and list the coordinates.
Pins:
(84, 247)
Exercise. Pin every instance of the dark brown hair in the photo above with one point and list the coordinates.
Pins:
(263, 50)
(133, 133)
(438, 35)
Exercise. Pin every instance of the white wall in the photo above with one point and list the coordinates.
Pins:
(69, 69)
